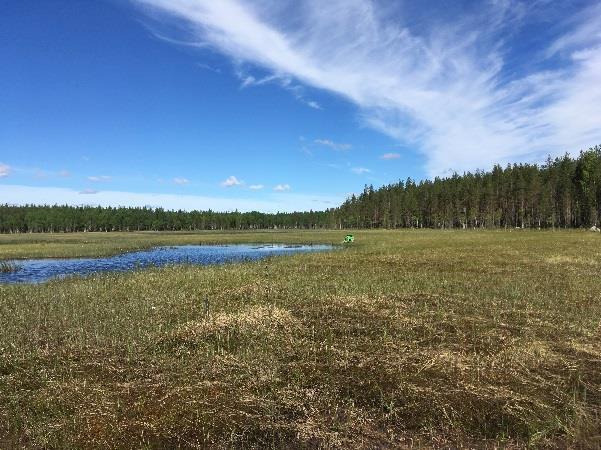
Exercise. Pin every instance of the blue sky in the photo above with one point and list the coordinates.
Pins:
(287, 104)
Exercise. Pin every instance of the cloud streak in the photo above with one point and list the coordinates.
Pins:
(442, 85)
(100, 178)
(181, 181)
(4, 170)
(333, 145)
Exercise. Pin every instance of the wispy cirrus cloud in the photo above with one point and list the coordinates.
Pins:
(256, 187)
(389, 156)
(99, 178)
(181, 181)
(35, 172)
(360, 170)
(447, 85)
(208, 67)
(313, 104)
(231, 181)
(338, 146)
(284, 81)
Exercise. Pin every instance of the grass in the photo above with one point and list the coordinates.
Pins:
(425, 339)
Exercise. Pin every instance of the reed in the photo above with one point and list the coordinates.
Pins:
(8, 266)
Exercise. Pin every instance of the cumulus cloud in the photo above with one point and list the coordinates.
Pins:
(333, 145)
(256, 187)
(390, 156)
(100, 178)
(281, 187)
(181, 181)
(231, 181)
(360, 170)
(4, 170)
(447, 85)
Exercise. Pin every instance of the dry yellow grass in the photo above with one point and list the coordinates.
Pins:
(423, 339)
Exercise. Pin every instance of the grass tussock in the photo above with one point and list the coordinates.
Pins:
(406, 339)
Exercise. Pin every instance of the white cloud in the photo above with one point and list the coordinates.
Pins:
(285, 82)
(256, 187)
(440, 85)
(231, 181)
(4, 170)
(35, 172)
(281, 187)
(390, 156)
(248, 81)
(313, 104)
(100, 178)
(333, 145)
(208, 67)
(181, 181)
(360, 170)
(282, 201)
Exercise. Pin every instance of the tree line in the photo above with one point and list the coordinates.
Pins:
(57, 218)
(564, 192)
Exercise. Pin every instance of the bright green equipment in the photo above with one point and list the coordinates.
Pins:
(349, 238)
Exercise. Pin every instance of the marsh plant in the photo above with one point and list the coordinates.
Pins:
(8, 266)
(405, 339)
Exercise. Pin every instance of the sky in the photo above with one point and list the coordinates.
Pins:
(281, 105)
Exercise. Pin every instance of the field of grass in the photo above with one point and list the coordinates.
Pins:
(408, 338)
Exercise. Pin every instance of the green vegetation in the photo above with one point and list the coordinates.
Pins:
(424, 338)
(564, 192)
(52, 219)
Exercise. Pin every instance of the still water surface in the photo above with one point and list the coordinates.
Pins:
(40, 270)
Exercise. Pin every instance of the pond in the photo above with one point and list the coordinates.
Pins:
(40, 270)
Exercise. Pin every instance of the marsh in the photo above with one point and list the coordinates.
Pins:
(40, 270)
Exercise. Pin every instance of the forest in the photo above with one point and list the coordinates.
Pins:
(564, 192)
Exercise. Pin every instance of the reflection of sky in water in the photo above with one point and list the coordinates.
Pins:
(39, 270)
